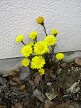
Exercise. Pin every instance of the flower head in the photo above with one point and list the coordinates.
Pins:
(31, 44)
(37, 62)
(19, 38)
(41, 71)
(33, 35)
(40, 48)
(40, 20)
(26, 50)
(50, 40)
(25, 62)
(54, 31)
(59, 56)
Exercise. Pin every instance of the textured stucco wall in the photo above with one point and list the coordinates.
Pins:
(18, 17)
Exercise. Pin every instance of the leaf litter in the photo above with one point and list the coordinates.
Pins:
(57, 88)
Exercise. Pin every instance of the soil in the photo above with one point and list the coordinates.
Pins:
(57, 88)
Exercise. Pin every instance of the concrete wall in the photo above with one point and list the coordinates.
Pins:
(18, 17)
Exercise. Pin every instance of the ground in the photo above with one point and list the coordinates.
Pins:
(58, 88)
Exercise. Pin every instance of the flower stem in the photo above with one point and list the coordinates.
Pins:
(44, 29)
(23, 43)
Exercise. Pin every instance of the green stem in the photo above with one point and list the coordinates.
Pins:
(44, 29)
(23, 43)
(52, 53)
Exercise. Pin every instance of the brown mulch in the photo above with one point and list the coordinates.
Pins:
(58, 88)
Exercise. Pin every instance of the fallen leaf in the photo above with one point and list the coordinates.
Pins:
(50, 95)
(78, 61)
(24, 73)
(17, 105)
(13, 83)
(64, 65)
(49, 73)
(2, 107)
(37, 79)
(48, 104)
(63, 105)
(39, 95)
(16, 79)
(22, 88)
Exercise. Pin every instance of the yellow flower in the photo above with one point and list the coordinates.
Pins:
(54, 31)
(19, 38)
(40, 48)
(50, 40)
(59, 56)
(25, 62)
(37, 62)
(41, 71)
(33, 35)
(26, 50)
(31, 44)
(40, 20)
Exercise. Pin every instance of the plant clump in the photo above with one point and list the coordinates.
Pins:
(39, 54)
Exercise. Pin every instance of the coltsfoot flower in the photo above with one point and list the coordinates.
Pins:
(37, 62)
(50, 40)
(33, 35)
(40, 20)
(59, 56)
(54, 31)
(25, 62)
(19, 38)
(40, 48)
(41, 71)
(26, 50)
(31, 44)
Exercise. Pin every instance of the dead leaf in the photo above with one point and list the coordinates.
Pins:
(16, 79)
(32, 83)
(2, 107)
(13, 83)
(78, 61)
(17, 105)
(37, 79)
(63, 105)
(48, 104)
(49, 73)
(50, 95)
(39, 95)
(22, 88)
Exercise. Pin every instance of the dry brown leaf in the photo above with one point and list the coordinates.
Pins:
(32, 83)
(50, 96)
(48, 104)
(37, 79)
(17, 105)
(22, 88)
(63, 105)
(13, 83)
(78, 61)
(16, 79)
(49, 73)
(2, 107)
(39, 95)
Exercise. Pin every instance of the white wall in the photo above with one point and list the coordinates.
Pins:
(18, 17)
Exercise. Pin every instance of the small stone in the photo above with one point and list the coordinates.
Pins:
(78, 61)
(49, 83)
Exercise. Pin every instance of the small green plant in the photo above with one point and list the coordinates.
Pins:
(39, 54)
